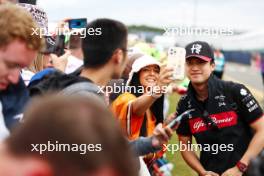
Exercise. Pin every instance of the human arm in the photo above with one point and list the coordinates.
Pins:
(142, 103)
(256, 145)
(192, 159)
(146, 145)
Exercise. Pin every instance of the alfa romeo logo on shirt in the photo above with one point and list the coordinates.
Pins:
(243, 92)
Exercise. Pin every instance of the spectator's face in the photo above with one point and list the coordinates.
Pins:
(198, 71)
(13, 58)
(47, 61)
(149, 75)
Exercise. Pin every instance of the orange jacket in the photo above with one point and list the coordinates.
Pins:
(131, 123)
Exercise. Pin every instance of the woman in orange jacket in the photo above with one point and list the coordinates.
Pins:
(140, 108)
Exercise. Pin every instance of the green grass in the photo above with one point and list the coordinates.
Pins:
(180, 167)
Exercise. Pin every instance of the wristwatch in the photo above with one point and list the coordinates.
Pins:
(241, 166)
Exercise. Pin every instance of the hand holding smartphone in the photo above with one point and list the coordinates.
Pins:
(175, 122)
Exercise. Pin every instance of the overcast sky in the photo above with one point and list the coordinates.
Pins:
(236, 14)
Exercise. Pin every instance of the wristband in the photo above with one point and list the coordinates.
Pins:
(241, 166)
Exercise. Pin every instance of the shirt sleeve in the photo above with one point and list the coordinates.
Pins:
(184, 128)
(248, 106)
(143, 146)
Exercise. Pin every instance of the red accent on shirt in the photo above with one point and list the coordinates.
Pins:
(224, 119)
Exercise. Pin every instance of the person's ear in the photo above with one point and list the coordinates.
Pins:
(118, 56)
(212, 66)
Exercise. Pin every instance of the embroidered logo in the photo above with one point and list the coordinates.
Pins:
(196, 48)
(221, 104)
(222, 120)
(220, 97)
(243, 92)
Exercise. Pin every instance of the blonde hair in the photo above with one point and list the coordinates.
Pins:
(17, 23)
(37, 64)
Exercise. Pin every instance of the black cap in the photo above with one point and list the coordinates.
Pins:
(199, 49)
(50, 45)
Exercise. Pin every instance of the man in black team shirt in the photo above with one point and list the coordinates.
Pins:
(226, 116)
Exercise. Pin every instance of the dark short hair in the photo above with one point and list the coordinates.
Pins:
(98, 49)
(72, 120)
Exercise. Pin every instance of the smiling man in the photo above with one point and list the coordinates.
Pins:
(18, 47)
(225, 115)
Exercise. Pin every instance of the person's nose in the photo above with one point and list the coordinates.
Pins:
(13, 75)
(194, 67)
(152, 72)
(49, 65)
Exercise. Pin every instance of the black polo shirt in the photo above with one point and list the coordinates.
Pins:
(221, 124)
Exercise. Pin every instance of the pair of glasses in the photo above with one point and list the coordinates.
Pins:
(210, 123)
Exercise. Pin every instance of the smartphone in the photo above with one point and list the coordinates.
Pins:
(176, 59)
(175, 122)
(77, 23)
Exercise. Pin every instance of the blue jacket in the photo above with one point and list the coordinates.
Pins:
(13, 101)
